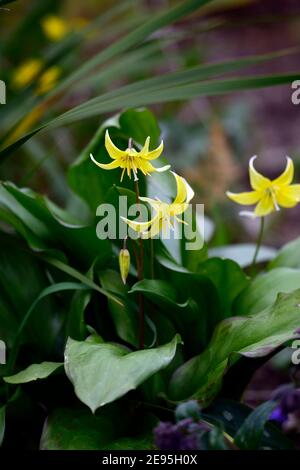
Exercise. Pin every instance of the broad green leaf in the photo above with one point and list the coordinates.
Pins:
(75, 327)
(125, 317)
(49, 290)
(288, 256)
(2, 423)
(228, 278)
(253, 336)
(33, 372)
(250, 434)
(57, 263)
(189, 301)
(77, 429)
(52, 226)
(102, 373)
(263, 290)
(243, 253)
(22, 278)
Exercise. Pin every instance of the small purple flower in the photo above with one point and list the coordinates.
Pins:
(278, 415)
(183, 435)
(167, 436)
(289, 403)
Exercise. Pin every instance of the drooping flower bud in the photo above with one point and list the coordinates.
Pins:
(124, 263)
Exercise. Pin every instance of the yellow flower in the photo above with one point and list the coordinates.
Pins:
(130, 159)
(165, 213)
(48, 80)
(54, 27)
(269, 194)
(26, 73)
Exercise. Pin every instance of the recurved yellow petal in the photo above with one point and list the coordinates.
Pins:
(147, 167)
(113, 151)
(184, 191)
(105, 166)
(246, 199)
(152, 154)
(287, 176)
(138, 226)
(156, 227)
(153, 202)
(257, 180)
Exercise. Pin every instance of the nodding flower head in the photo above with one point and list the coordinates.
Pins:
(164, 213)
(269, 195)
(130, 160)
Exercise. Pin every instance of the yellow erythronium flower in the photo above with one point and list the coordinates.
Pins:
(54, 27)
(269, 194)
(26, 73)
(130, 159)
(165, 213)
(48, 80)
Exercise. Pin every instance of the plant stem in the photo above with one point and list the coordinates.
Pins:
(152, 258)
(258, 243)
(140, 277)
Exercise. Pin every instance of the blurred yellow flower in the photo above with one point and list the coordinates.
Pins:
(165, 213)
(54, 27)
(48, 80)
(26, 73)
(269, 194)
(130, 159)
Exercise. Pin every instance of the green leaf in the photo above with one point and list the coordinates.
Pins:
(228, 278)
(53, 289)
(74, 429)
(243, 253)
(75, 327)
(51, 226)
(232, 415)
(102, 373)
(2, 423)
(250, 434)
(33, 372)
(263, 290)
(190, 301)
(22, 278)
(253, 336)
(77, 429)
(125, 317)
(288, 256)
